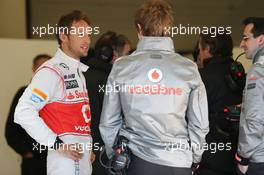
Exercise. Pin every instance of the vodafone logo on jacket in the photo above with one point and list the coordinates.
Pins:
(154, 75)
(252, 77)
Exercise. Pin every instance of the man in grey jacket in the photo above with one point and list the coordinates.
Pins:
(250, 154)
(156, 99)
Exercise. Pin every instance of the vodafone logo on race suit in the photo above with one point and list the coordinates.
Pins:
(87, 119)
(82, 128)
(85, 110)
(155, 75)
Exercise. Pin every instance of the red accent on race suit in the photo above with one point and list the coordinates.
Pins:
(64, 118)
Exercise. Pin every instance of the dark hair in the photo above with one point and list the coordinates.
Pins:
(121, 41)
(195, 52)
(67, 20)
(220, 45)
(258, 22)
(154, 17)
(106, 40)
(111, 39)
(39, 57)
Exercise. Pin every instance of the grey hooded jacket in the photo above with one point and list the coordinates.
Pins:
(251, 131)
(157, 100)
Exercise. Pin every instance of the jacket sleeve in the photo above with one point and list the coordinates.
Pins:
(251, 129)
(111, 118)
(40, 91)
(197, 115)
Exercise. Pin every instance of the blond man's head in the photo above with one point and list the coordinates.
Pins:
(153, 18)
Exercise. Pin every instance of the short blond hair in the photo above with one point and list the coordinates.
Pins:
(154, 17)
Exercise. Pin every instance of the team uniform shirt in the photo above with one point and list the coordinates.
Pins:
(251, 129)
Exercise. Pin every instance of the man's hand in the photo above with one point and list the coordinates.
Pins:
(92, 157)
(242, 168)
(72, 151)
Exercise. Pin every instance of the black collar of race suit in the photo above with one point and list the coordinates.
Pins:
(155, 43)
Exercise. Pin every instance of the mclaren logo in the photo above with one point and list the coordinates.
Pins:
(155, 75)
(64, 66)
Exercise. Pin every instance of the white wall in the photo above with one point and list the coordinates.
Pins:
(15, 71)
(13, 18)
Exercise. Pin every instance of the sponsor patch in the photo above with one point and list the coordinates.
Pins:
(38, 96)
(36, 99)
(70, 76)
(64, 66)
(77, 95)
(40, 93)
(251, 86)
(71, 84)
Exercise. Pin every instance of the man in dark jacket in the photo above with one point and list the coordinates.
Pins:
(33, 160)
(108, 48)
(215, 54)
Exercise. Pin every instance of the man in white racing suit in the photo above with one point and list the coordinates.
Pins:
(54, 108)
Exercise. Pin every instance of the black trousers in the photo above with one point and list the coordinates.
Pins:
(253, 169)
(34, 166)
(139, 166)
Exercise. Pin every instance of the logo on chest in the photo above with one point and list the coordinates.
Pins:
(77, 95)
(71, 84)
(69, 76)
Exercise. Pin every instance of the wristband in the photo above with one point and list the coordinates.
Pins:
(241, 160)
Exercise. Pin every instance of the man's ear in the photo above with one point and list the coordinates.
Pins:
(139, 31)
(33, 68)
(115, 56)
(206, 51)
(63, 37)
(261, 40)
(139, 28)
(207, 48)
